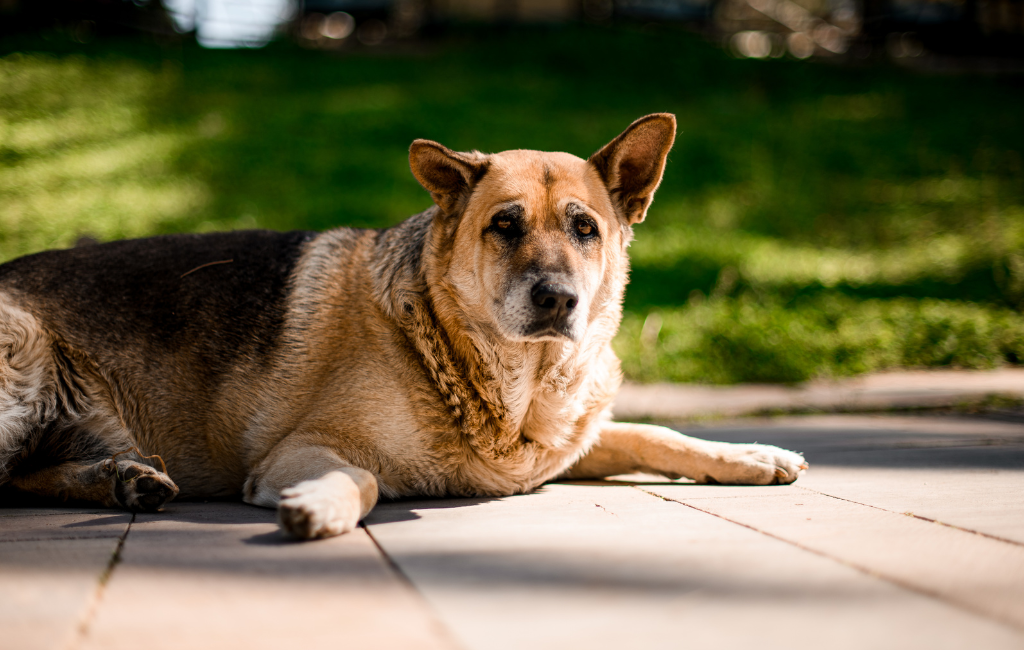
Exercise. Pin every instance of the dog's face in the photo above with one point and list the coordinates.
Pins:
(533, 243)
(538, 238)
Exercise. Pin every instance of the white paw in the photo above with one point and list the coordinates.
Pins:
(753, 465)
(323, 507)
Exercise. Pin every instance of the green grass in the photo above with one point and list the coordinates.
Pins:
(814, 220)
(749, 339)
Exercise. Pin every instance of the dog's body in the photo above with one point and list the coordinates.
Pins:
(465, 351)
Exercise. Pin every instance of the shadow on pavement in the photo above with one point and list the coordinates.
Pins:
(883, 441)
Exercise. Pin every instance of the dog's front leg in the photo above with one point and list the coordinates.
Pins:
(316, 492)
(626, 448)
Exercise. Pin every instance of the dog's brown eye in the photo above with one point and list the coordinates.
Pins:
(507, 224)
(584, 228)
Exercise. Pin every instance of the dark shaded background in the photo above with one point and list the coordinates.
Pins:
(846, 193)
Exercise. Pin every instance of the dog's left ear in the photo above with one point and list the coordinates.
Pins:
(631, 165)
(448, 175)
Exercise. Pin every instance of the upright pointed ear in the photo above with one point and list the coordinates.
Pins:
(631, 165)
(448, 175)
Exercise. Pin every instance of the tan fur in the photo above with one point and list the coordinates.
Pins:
(420, 361)
(26, 382)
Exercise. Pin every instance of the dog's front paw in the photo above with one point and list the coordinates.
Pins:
(138, 487)
(318, 508)
(753, 465)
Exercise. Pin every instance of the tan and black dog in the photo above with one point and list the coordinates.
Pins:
(465, 351)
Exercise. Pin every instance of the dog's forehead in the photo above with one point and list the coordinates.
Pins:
(541, 178)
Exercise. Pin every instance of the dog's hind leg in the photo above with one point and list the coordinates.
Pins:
(78, 463)
(111, 482)
(54, 443)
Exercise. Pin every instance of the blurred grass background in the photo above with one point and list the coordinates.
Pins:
(815, 219)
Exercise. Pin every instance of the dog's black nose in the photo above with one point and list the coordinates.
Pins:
(554, 296)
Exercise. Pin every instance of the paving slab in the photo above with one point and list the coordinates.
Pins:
(965, 472)
(986, 501)
(221, 575)
(51, 564)
(881, 391)
(974, 572)
(612, 566)
(38, 524)
(833, 561)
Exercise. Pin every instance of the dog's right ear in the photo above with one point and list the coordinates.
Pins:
(448, 175)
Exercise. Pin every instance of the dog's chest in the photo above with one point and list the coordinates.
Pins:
(501, 457)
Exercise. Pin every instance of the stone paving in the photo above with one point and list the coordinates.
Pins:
(907, 532)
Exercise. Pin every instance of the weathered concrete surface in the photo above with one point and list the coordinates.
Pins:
(977, 573)
(222, 576)
(965, 472)
(830, 562)
(882, 391)
(988, 501)
(613, 567)
(901, 497)
(51, 562)
(40, 524)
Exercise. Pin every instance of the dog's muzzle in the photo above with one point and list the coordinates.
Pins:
(553, 304)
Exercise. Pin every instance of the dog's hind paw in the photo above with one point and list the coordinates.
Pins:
(138, 487)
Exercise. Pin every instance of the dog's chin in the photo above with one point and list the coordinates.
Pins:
(538, 332)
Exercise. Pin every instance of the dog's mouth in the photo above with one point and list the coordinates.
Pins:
(554, 304)
(555, 328)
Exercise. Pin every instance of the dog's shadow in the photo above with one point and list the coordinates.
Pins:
(227, 512)
(386, 512)
(622, 482)
(399, 510)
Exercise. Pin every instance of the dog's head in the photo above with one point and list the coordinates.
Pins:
(534, 243)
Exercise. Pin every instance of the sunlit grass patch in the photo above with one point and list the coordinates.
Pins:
(814, 220)
(771, 263)
(745, 340)
(80, 157)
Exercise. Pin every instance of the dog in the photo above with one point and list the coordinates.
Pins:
(464, 352)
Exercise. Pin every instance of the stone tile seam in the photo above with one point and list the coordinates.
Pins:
(970, 531)
(972, 444)
(89, 613)
(55, 513)
(447, 635)
(922, 591)
(57, 538)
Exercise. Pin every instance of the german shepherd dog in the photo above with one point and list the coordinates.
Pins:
(465, 351)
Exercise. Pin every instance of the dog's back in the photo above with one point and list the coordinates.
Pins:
(207, 295)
